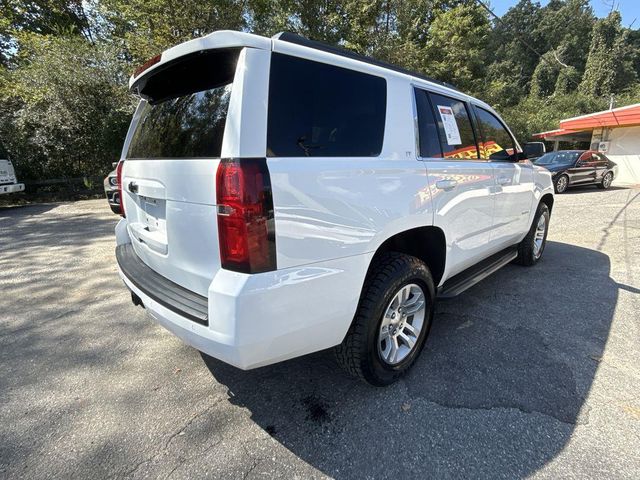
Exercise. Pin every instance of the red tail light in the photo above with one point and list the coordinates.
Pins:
(246, 228)
(119, 178)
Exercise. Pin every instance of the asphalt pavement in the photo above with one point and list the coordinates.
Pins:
(534, 372)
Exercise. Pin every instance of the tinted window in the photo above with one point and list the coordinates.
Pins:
(320, 110)
(191, 126)
(497, 143)
(600, 159)
(186, 106)
(428, 141)
(586, 159)
(454, 125)
(558, 158)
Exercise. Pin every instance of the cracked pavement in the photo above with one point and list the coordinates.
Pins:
(533, 372)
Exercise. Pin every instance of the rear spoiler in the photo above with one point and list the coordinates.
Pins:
(215, 40)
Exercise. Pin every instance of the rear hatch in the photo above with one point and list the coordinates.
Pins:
(170, 164)
(7, 174)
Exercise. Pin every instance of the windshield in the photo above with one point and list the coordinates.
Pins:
(558, 158)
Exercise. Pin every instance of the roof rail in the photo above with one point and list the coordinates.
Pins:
(325, 47)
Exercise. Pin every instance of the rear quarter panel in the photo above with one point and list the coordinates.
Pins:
(328, 208)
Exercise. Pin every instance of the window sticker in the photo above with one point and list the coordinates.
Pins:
(450, 125)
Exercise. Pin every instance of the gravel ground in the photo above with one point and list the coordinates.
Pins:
(533, 372)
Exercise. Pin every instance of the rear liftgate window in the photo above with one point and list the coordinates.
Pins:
(320, 110)
(185, 107)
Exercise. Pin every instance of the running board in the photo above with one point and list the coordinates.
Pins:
(472, 275)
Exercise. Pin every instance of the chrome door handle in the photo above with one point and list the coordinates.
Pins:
(446, 184)
(504, 181)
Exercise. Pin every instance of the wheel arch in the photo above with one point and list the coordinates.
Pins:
(425, 243)
(548, 200)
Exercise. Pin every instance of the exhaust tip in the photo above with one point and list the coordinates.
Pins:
(137, 301)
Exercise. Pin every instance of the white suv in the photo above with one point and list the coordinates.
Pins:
(283, 196)
(8, 181)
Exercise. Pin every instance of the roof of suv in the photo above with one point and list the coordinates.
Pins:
(232, 39)
(336, 50)
(229, 38)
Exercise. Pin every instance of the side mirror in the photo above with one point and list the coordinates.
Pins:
(534, 149)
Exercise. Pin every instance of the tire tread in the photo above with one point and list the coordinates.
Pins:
(350, 354)
(525, 247)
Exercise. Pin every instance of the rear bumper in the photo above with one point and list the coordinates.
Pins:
(172, 296)
(16, 187)
(256, 320)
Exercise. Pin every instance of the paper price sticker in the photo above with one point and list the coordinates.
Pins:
(450, 125)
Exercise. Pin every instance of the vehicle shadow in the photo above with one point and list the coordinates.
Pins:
(498, 390)
(10, 210)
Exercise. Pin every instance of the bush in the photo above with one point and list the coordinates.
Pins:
(65, 111)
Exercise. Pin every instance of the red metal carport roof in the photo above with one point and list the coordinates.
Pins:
(618, 117)
(552, 133)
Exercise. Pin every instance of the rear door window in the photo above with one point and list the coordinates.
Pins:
(454, 126)
(184, 108)
(600, 160)
(585, 160)
(320, 110)
(496, 144)
(428, 141)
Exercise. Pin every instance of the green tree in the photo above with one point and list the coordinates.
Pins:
(513, 62)
(44, 17)
(65, 110)
(456, 51)
(563, 27)
(545, 76)
(534, 114)
(147, 27)
(609, 66)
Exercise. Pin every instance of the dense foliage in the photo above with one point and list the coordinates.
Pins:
(64, 64)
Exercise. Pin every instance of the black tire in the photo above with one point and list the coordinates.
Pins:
(358, 353)
(526, 250)
(606, 184)
(563, 184)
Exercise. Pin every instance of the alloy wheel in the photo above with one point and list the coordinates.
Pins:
(538, 237)
(402, 323)
(561, 185)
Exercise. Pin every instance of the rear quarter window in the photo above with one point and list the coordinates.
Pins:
(320, 110)
(428, 140)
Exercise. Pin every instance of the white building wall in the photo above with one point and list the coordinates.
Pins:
(624, 149)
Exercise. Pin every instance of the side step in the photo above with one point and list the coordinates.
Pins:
(472, 275)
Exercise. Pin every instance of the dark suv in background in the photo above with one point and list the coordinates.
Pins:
(571, 168)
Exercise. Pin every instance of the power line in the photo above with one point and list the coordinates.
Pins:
(523, 42)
